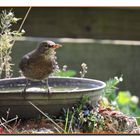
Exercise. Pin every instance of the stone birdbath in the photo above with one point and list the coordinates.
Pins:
(65, 92)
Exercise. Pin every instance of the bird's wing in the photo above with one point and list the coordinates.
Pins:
(24, 62)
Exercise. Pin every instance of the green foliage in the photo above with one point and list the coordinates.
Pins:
(66, 121)
(87, 118)
(71, 116)
(115, 112)
(110, 89)
(67, 73)
(123, 100)
(128, 104)
(82, 117)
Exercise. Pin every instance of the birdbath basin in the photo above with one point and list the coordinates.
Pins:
(65, 92)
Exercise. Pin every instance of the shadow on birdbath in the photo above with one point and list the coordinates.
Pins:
(65, 92)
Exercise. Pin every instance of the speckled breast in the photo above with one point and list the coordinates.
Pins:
(39, 69)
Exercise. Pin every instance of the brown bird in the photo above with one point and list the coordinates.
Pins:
(39, 63)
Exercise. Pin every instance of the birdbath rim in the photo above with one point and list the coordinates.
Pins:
(89, 84)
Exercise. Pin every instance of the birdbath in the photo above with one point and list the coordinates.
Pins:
(65, 92)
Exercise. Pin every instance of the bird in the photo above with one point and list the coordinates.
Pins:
(38, 64)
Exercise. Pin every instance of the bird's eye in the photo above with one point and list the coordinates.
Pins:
(46, 45)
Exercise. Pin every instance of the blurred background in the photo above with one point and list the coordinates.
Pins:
(106, 39)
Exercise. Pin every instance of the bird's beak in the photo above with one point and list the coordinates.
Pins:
(56, 46)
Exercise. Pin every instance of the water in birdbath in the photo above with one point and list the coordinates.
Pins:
(43, 88)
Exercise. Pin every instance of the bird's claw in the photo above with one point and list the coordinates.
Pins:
(49, 91)
(23, 93)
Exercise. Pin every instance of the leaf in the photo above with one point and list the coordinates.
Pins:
(68, 73)
(124, 97)
(110, 88)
